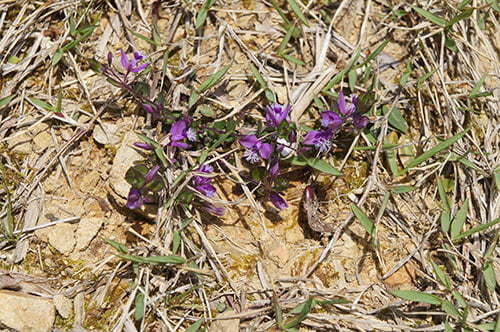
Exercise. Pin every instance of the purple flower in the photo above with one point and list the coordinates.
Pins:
(320, 139)
(178, 132)
(255, 149)
(144, 146)
(130, 65)
(277, 200)
(204, 184)
(346, 109)
(359, 121)
(274, 169)
(212, 209)
(152, 173)
(134, 199)
(276, 113)
(330, 119)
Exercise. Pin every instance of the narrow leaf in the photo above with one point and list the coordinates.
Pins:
(458, 222)
(296, 9)
(433, 151)
(476, 229)
(6, 100)
(305, 309)
(430, 16)
(363, 218)
(441, 275)
(195, 327)
(213, 79)
(417, 296)
(323, 166)
(139, 306)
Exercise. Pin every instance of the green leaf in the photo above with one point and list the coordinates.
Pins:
(476, 89)
(305, 308)
(352, 77)
(450, 44)
(417, 296)
(445, 205)
(396, 119)
(6, 100)
(42, 104)
(117, 245)
(213, 79)
(433, 151)
(165, 259)
(466, 13)
(139, 306)
(202, 14)
(195, 327)
(425, 77)
(363, 218)
(375, 53)
(146, 39)
(450, 309)
(286, 39)
(57, 57)
(441, 275)
(458, 222)
(323, 166)
(489, 276)
(176, 241)
(402, 189)
(292, 59)
(296, 9)
(154, 259)
(476, 229)
(430, 16)
(135, 176)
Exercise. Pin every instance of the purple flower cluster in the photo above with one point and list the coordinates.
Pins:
(128, 65)
(136, 196)
(202, 183)
(332, 122)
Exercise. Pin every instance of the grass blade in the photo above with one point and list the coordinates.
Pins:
(195, 326)
(417, 296)
(6, 100)
(305, 308)
(476, 229)
(363, 218)
(323, 166)
(430, 16)
(203, 13)
(441, 275)
(458, 222)
(296, 9)
(433, 151)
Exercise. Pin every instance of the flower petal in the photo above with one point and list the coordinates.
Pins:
(249, 141)
(274, 169)
(178, 144)
(277, 200)
(331, 119)
(134, 199)
(205, 168)
(206, 189)
(139, 68)
(152, 173)
(144, 146)
(311, 137)
(124, 60)
(178, 130)
(265, 150)
(341, 103)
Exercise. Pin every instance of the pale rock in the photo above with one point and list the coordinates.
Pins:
(64, 306)
(62, 238)
(86, 231)
(225, 325)
(42, 141)
(19, 143)
(125, 157)
(106, 134)
(22, 312)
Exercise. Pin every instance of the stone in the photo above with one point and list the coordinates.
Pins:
(42, 141)
(225, 325)
(125, 157)
(23, 312)
(106, 134)
(20, 143)
(86, 231)
(64, 306)
(62, 237)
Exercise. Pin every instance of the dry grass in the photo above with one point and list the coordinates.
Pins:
(254, 265)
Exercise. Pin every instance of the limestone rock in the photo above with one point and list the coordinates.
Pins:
(125, 157)
(86, 231)
(22, 312)
(42, 141)
(63, 305)
(225, 325)
(106, 134)
(62, 238)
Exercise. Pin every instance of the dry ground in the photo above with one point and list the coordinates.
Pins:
(65, 144)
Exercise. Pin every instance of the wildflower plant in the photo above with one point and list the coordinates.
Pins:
(273, 144)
